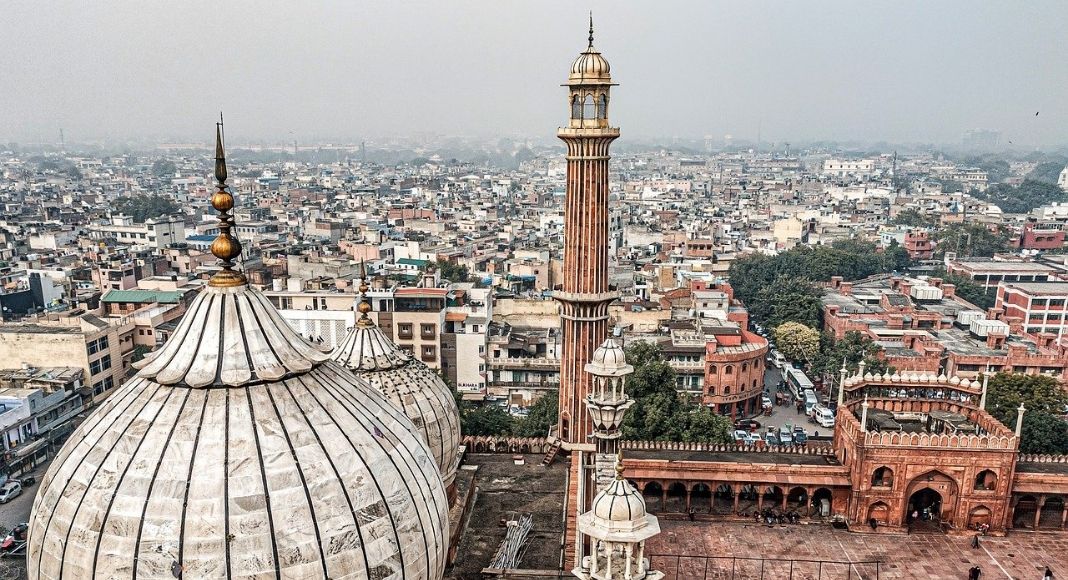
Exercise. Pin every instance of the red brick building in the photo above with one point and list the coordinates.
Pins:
(1036, 236)
(734, 372)
(923, 445)
(924, 327)
(918, 244)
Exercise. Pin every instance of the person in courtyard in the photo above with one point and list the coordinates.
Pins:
(1048, 575)
(975, 572)
(975, 542)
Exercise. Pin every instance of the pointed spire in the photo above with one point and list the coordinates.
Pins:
(225, 247)
(364, 307)
(619, 465)
(591, 28)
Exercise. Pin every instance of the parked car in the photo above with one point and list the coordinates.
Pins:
(800, 437)
(765, 401)
(744, 437)
(771, 438)
(747, 424)
(27, 481)
(786, 436)
(10, 491)
(824, 416)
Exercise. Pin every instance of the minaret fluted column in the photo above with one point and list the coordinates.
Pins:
(585, 291)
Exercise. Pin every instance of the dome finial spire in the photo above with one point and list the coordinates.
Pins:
(225, 247)
(591, 28)
(365, 305)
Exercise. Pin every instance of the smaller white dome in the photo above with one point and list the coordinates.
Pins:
(896, 378)
(955, 380)
(943, 379)
(886, 376)
(609, 360)
(619, 502)
(868, 376)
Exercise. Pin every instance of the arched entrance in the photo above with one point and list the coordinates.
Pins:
(701, 498)
(724, 500)
(1023, 513)
(1052, 513)
(653, 494)
(925, 505)
(879, 512)
(979, 516)
(676, 498)
(822, 502)
(932, 499)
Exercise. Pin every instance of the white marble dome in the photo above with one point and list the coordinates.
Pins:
(239, 450)
(609, 360)
(412, 387)
(619, 502)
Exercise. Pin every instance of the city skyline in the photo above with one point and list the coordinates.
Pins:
(767, 72)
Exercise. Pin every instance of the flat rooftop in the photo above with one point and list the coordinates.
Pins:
(503, 489)
(38, 329)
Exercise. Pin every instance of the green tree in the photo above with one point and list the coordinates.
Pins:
(1021, 198)
(486, 420)
(1044, 431)
(659, 412)
(796, 341)
(164, 168)
(143, 207)
(852, 348)
(453, 272)
(785, 300)
(542, 415)
(704, 426)
(1048, 171)
(895, 258)
(968, 290)
(911, 217)
(970, 240)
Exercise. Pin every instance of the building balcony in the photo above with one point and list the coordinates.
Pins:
(540, 363)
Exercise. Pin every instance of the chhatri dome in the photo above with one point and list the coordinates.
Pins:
(590, 67)
(409, 384)
(237, 451)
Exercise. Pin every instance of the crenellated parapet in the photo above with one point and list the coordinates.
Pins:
(726, 448)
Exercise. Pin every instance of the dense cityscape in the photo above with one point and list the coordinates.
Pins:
(458, 357)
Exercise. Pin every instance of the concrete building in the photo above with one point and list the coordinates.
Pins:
(37, 407)
(156, 233)
(1041, 307)
(102, 348)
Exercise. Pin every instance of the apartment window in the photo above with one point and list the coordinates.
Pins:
(430, 353)
(404, 330)
(428, 329)
(94, 367)
(474, 328)
(285, 303)
(98, 345)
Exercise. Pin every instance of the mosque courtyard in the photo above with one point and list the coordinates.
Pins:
(1021, 555)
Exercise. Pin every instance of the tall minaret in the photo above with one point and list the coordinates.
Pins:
(585, 296)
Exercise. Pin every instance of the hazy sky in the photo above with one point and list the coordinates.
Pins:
(902, 70)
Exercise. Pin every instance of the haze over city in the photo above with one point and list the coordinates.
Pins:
(588, 291)
(834, 70)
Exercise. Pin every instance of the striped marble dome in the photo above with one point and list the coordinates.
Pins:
(410, 385)
(241, 451)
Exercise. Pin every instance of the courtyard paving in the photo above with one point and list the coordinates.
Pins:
(1020, 556)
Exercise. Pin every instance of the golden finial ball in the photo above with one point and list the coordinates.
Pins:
(225, 247)
(222, 201)
(364, 307)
